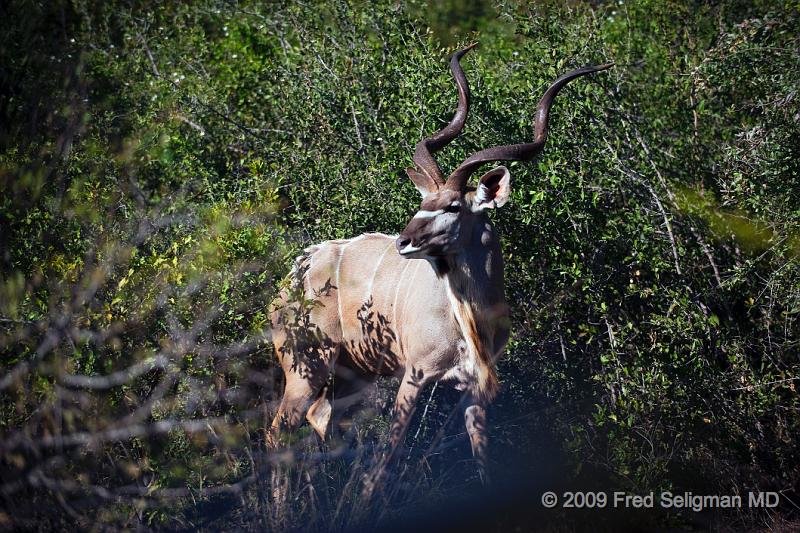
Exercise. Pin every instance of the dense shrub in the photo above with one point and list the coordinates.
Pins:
(162, 163)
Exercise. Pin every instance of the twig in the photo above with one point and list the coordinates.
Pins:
(149, 55)
(133, 491)
(424, 414)
(194, 125)
(53, 337)
(631, 174)
(750, 387)
(332, 73)
(707, 251)
(358, 129)
(117, 378)
(12, 321)
(138, 430)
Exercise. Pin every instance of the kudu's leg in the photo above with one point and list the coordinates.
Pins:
(475, 420)
(300, 392)
(405, 404)
(404, 407)
(306, 372)
(306, 363)
(297, 398)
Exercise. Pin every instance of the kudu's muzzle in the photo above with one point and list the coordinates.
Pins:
(401, 242)
(413, 238)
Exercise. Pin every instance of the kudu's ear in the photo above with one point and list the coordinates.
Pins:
(424, 183)
(493, 189)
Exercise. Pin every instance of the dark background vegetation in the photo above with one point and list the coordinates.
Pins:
(161, 163)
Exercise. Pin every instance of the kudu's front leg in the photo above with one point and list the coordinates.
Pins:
(475, 420)
(404, 407)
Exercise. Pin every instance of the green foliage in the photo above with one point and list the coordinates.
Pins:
(161, 165)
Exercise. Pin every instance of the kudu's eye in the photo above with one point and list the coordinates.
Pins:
(452, 208)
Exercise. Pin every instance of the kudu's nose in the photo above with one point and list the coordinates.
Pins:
(401, 242)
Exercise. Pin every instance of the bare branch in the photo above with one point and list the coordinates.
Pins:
(92, 440)
(117, 378)
(634, 176)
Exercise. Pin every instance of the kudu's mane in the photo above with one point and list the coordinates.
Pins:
(477, 334)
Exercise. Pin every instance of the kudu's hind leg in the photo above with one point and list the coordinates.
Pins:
(306, 363)
(307, 368)
(297, 398)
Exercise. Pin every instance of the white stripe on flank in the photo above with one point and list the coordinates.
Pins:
(375, 272)
(428, 214)
(339, 286)
(409, 286)
(396, 294)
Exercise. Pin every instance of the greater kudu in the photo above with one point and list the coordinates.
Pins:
(425, 305)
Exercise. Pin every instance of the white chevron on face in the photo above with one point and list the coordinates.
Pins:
(428, 214)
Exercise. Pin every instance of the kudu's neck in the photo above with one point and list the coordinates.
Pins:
(475, 289)
(475, 274)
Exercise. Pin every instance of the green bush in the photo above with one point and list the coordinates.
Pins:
(162, 164)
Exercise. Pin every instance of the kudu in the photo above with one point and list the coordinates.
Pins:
(425, 305)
